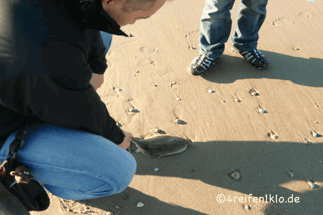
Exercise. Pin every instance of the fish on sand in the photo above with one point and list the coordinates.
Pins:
(161, 146)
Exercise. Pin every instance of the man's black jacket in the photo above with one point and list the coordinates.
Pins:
(48, 52)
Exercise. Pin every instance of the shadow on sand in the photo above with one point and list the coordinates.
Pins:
(264, 168)
(301, 71)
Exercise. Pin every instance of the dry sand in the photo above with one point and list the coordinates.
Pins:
(227, 135)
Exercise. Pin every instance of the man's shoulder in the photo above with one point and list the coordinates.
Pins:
(50, 20)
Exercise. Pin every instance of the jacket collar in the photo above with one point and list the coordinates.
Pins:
(94, 17)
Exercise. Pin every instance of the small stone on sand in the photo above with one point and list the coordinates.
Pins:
(235, 175)
(247, 207)
(140, 204)
(159, 131)
(178, 121)
(312, 185)
(109, 213)
(178, 99)
(253, 92)
(261, 110)
(274, 136)
(133, 110)
(237, 100)
(211, 91)
(314, 134)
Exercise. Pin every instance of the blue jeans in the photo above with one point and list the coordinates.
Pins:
(107, 39)
(216, 25)
(74, 164)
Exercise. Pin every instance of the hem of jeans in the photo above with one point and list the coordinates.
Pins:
(210, 55)
(240, 48)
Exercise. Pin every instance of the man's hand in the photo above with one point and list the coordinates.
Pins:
(22, 175)
(126, 141)
(96, 80)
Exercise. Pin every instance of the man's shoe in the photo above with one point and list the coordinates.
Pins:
(254, 57)
(201, 65)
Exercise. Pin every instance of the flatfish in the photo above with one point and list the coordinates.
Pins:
(161, 146)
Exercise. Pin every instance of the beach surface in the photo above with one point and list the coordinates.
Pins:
(148, 72)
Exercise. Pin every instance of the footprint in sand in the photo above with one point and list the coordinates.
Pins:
(74, 207)
(192, 39)
(148, 50)
(192, 34)
(165, 71)
(282, 21)
(305, 15)
(147, 62)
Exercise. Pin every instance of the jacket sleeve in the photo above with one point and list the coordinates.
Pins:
(54, 86)
(97, 60)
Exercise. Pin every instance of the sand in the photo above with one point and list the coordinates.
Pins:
(148, 72)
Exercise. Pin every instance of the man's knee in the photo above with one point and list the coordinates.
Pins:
(125, 174)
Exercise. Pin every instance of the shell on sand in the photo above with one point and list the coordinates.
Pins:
(161, 146)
